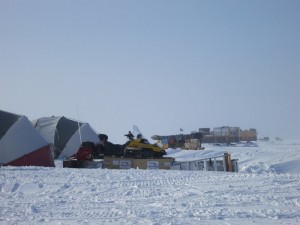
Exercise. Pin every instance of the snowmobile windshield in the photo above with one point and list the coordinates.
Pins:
(137, 132)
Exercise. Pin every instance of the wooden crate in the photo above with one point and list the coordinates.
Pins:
(128, 163)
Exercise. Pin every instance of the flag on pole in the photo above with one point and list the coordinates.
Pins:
(181, 129)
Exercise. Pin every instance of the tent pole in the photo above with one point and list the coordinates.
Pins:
(78, 125)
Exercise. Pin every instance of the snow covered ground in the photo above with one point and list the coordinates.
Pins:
(265, 191)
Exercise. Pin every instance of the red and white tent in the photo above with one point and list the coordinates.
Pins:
(65, 134)
(21, 144)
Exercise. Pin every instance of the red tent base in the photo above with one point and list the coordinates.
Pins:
(40, 157)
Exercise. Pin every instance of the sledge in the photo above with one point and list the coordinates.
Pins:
(85, 157)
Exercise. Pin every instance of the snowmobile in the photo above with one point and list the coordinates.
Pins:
(134, 148)
(141, 148)
(88, 154)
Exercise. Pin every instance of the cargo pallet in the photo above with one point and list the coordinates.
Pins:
(136, 163)
(217, 163)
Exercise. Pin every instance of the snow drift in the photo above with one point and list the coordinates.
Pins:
(265, 191)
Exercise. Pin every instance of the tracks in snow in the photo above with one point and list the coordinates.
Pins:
(143, 197)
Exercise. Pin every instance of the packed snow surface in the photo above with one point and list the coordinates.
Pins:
(266, 190)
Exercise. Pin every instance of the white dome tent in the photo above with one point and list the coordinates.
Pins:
(21, 144)
(64, 134)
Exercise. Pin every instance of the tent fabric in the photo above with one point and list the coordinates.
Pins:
(40, 157)
(7, 120)
(19, 139)
(63, 133)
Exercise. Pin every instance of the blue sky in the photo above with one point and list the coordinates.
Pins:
(160, 65)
